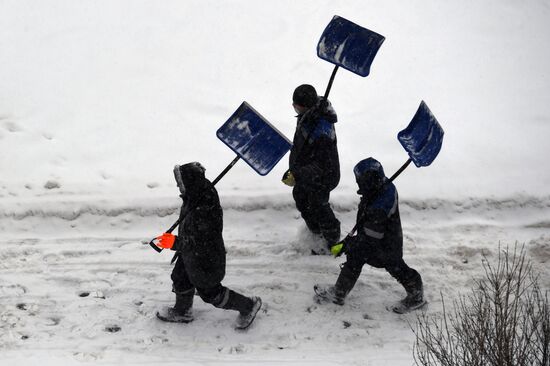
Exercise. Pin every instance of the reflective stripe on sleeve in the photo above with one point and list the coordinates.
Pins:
(394, 207)
(373, 234)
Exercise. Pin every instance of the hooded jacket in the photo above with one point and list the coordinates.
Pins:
(314, 158)
(379, 237)
(200, 240)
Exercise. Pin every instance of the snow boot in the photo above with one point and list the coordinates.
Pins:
(414, 299)
(182, 311)
(337, 293)
(247, 307)
(245, 320)
(324, 294)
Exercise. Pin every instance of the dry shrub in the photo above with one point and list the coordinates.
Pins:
(503, 321)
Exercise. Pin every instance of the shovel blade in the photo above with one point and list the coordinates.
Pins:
(349, 45)
(254, 139)
(423, 137)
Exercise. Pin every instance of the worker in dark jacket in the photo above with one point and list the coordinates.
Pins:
(314, 168)
(379, 241)
(200, 250)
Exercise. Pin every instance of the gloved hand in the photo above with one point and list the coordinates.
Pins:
(166, 241)
(339, 248)
(288, 179)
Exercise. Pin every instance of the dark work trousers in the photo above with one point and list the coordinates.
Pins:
(316, 211)
(408, 277)
(217, 294)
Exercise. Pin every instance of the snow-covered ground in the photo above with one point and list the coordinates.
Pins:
(99, 99)
(51, 259)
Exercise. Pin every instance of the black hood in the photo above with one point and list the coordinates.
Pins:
(369, 175)
(191, 176)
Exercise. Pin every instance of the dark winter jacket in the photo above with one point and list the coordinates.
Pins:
(200, 240)
(379, 239)
(314, 162)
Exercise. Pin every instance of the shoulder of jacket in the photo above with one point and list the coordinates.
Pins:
(387, 201)
(323, 128)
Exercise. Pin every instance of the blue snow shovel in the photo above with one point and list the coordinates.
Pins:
(254, 140)
(346, 44)
(422, 140)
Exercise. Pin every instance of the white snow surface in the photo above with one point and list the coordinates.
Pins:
(100, 99)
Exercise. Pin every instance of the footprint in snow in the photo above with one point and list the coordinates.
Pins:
(12, 290)
(94, 294)
(53, 321)
(10, 126)
(237, 349)
(52, 184)
(112, 328)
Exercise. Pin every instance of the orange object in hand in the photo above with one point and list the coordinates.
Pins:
(166, 240)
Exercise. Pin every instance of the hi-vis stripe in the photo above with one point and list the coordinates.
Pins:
(394, 207)
(373, 234)
(225, 298)
(376, 234)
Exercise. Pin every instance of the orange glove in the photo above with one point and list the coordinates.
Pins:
(166, 241)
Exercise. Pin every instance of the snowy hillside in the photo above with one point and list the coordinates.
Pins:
(99, 100)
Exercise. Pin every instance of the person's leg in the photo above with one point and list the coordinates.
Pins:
(349, 274)
(324, 216)
(180, 279)
(315, 209)
(225, 298)
(411, 281)
(181, 312)
(302, 199)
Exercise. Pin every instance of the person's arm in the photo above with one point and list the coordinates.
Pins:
(374, 225)
(320, 161)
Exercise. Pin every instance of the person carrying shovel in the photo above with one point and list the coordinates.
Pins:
(200, 263)
(314, 167)
(379, 241)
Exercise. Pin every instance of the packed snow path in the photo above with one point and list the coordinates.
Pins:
(77, 283)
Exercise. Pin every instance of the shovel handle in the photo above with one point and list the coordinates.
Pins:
(400, 170)
(152, 244)
(329, 86)
(227, 168)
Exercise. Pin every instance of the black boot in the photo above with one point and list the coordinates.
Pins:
(337, 293)
(182, 311)
(184, 301)
(415, 296)
(244, 320)
(247, 307)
